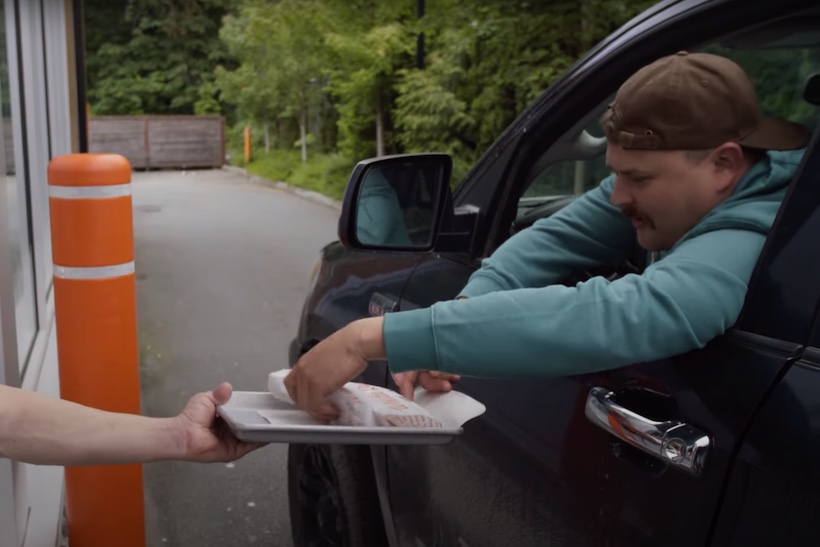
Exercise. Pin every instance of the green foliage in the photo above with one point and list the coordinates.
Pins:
(780, 76)
(366, 51)
(165, 66)
(431, 118)
(343, 72)
(488, 61)
(279, 47)
(278, 166)
(324, 173)
(327, 174)
(310, 140)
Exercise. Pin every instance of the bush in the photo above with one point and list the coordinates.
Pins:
(278, 166)
(326, 174)
(323, 173)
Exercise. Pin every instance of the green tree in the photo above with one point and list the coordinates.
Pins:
(341, 74)
(104, 24)
(489, 59)
(166, 65)
(281, 50)
(245, 86)
(368, 46)
(780, 76)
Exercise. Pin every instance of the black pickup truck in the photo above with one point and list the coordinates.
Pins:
(720, 446)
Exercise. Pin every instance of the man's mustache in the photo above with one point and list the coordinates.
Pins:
(630, 211)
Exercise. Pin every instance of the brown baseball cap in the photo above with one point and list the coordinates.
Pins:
(694, 101)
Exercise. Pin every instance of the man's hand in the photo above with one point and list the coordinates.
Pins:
(430, 380)
(206, 437)
(332, 363)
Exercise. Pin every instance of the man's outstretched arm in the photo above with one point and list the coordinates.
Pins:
(588, 232)
(678, 304)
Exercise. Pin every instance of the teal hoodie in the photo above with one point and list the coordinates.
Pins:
(517, 322)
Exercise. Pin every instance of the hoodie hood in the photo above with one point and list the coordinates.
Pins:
(754, 203)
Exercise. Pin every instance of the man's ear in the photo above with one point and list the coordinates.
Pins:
(729, 164)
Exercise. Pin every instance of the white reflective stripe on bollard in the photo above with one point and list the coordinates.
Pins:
(89, 192)
(99, 272)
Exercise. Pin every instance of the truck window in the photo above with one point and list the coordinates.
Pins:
(779, 59)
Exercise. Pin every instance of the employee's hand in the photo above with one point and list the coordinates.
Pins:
(332, 363)
(430, 380)
(206, 437)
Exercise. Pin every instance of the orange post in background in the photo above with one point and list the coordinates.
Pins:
(95, 305)
(247, 145)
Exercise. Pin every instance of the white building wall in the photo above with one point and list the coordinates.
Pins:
(39, 122)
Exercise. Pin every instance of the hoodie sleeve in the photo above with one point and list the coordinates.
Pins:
(678, 304)
(586, 233)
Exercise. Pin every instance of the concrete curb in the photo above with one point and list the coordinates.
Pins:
(283, 186)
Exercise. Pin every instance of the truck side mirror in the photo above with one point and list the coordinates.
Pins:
(396, 202)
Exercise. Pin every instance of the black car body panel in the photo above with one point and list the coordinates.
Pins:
(772, 494)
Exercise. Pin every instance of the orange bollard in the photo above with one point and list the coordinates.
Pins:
(247, 145)
(95, 305)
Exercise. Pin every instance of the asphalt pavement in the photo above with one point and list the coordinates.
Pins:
(222, 268)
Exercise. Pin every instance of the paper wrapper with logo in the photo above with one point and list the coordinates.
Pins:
(364, 405)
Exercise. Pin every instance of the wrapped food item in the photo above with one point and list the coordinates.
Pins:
(364, 405)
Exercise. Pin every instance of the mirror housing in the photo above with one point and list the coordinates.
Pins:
(397, 203)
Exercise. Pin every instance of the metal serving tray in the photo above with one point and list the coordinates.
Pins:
(258, 417)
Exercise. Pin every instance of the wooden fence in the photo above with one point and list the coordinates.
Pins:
(161, 142)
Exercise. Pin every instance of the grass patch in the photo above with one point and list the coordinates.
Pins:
(323, 173)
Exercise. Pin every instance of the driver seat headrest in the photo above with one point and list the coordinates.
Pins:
(811, 90)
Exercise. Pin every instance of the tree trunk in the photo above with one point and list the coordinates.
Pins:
(379, 126)
(303, 133)
(585, 26)
(267, 138)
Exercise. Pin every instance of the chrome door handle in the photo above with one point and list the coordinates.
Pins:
(676, 443)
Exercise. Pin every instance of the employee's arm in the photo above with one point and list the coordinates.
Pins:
(43, 430)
